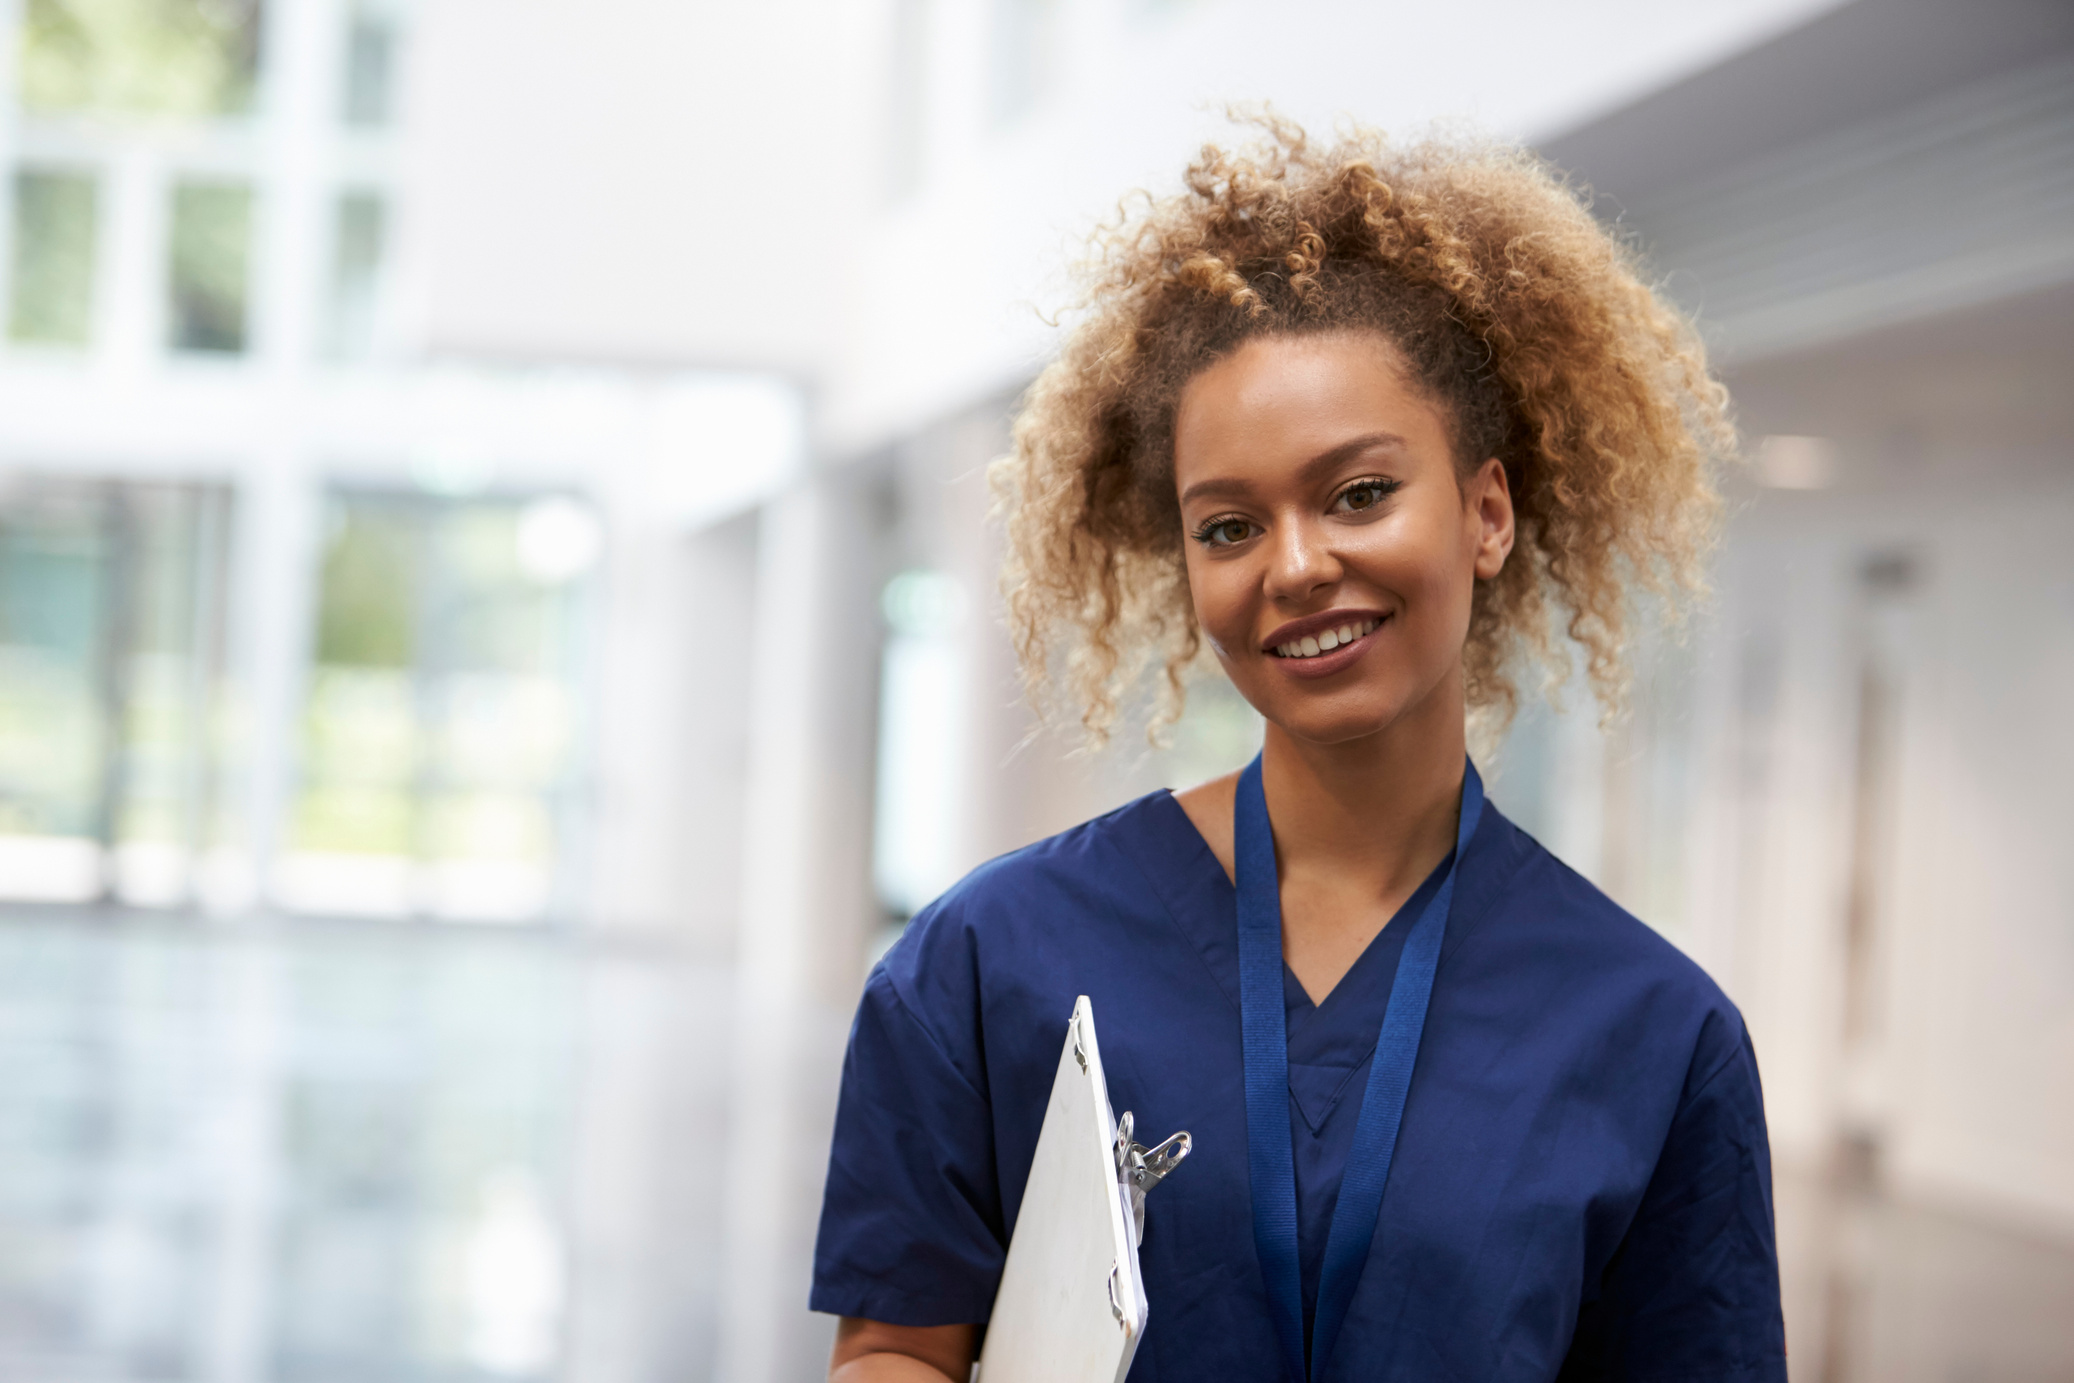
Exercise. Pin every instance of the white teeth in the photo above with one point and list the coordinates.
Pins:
(1329, 640)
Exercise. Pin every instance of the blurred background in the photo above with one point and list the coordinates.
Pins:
(497, 629)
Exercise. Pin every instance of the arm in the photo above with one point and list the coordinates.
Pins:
(911, 1222)
(1693, 1290)
(874, 1352)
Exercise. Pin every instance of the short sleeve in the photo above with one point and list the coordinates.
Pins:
(1692, 1293)
(911, 1222)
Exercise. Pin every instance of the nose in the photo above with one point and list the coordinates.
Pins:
(1300, 561)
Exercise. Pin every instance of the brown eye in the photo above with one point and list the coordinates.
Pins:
(1366, 495)
(1224, 532)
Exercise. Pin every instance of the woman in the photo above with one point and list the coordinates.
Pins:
(1358, 418)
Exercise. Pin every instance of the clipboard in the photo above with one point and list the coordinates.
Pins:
(1071, 1307)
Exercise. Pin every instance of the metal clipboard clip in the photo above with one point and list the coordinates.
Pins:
(1139, 1168)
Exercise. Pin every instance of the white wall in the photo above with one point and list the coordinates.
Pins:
(1969, 1031)
(709, 183)
(626, 180)
(1980, 990)
(943, 305)
(1951, 453)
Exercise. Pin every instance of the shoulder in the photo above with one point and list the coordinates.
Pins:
(1527, 910)
(1032, 907)
(1112, 853)
(1528, 891)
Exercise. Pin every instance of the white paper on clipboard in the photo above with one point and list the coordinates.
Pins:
(1071, 1308)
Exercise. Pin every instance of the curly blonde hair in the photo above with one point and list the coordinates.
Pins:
(1516, 313)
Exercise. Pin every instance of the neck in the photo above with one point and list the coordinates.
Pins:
(1379, 812)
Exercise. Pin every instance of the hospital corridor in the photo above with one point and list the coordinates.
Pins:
(500, 629)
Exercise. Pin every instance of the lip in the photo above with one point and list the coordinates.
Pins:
(1310, 626)
(1323, 664)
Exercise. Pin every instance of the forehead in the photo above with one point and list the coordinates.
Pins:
(1281, 400)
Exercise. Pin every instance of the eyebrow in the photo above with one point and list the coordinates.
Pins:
(1325, 461)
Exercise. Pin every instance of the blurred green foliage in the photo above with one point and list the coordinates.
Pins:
(366, 614)
(52, 591)
(370, 65)
(212, 235)
(52, 555)
(179, 58)
(54, 242)
(356, 273)
(99, 642)
(440, 723)
(51, 744)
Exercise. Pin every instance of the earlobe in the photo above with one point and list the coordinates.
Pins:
(1496, 512)
(1491, 560)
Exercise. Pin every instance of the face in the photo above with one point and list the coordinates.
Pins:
(1333, 544)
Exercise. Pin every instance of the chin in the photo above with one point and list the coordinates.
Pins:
(1352, 718)
(1338, 731)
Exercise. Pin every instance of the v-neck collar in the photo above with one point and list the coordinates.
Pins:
(1372, 970)
(1329, 1043)
(1156, 835)
(1366, 984)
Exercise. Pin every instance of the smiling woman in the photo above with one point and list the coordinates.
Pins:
(1505, 306)
(1362, 422)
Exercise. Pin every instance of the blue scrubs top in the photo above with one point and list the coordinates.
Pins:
(1582, 1184)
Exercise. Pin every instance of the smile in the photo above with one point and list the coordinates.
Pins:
(1327, 640)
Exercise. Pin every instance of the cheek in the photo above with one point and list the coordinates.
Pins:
(1420, 562)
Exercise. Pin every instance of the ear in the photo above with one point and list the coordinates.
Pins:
(1490, 507)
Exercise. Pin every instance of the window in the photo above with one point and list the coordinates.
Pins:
(1610, 801)
(441, 725)
(211, 243)
(917, 848)
(111, 695)
(53, 269)
(1022, 40)
(356, 270)
(908, 104)
(370, 66)
(182, 58)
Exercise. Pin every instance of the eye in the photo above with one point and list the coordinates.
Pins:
(1224, 532)
(1363, 494)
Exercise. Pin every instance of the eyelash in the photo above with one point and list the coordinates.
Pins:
(1210, 526)
(1382, 485)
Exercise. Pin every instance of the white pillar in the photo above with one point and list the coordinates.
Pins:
(806, 909)
(286, 274)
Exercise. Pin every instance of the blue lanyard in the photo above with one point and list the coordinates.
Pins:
(1265, 1036)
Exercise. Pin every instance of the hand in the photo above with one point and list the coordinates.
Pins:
(874, 1352)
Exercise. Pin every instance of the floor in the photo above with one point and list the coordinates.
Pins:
(1884, 1292)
